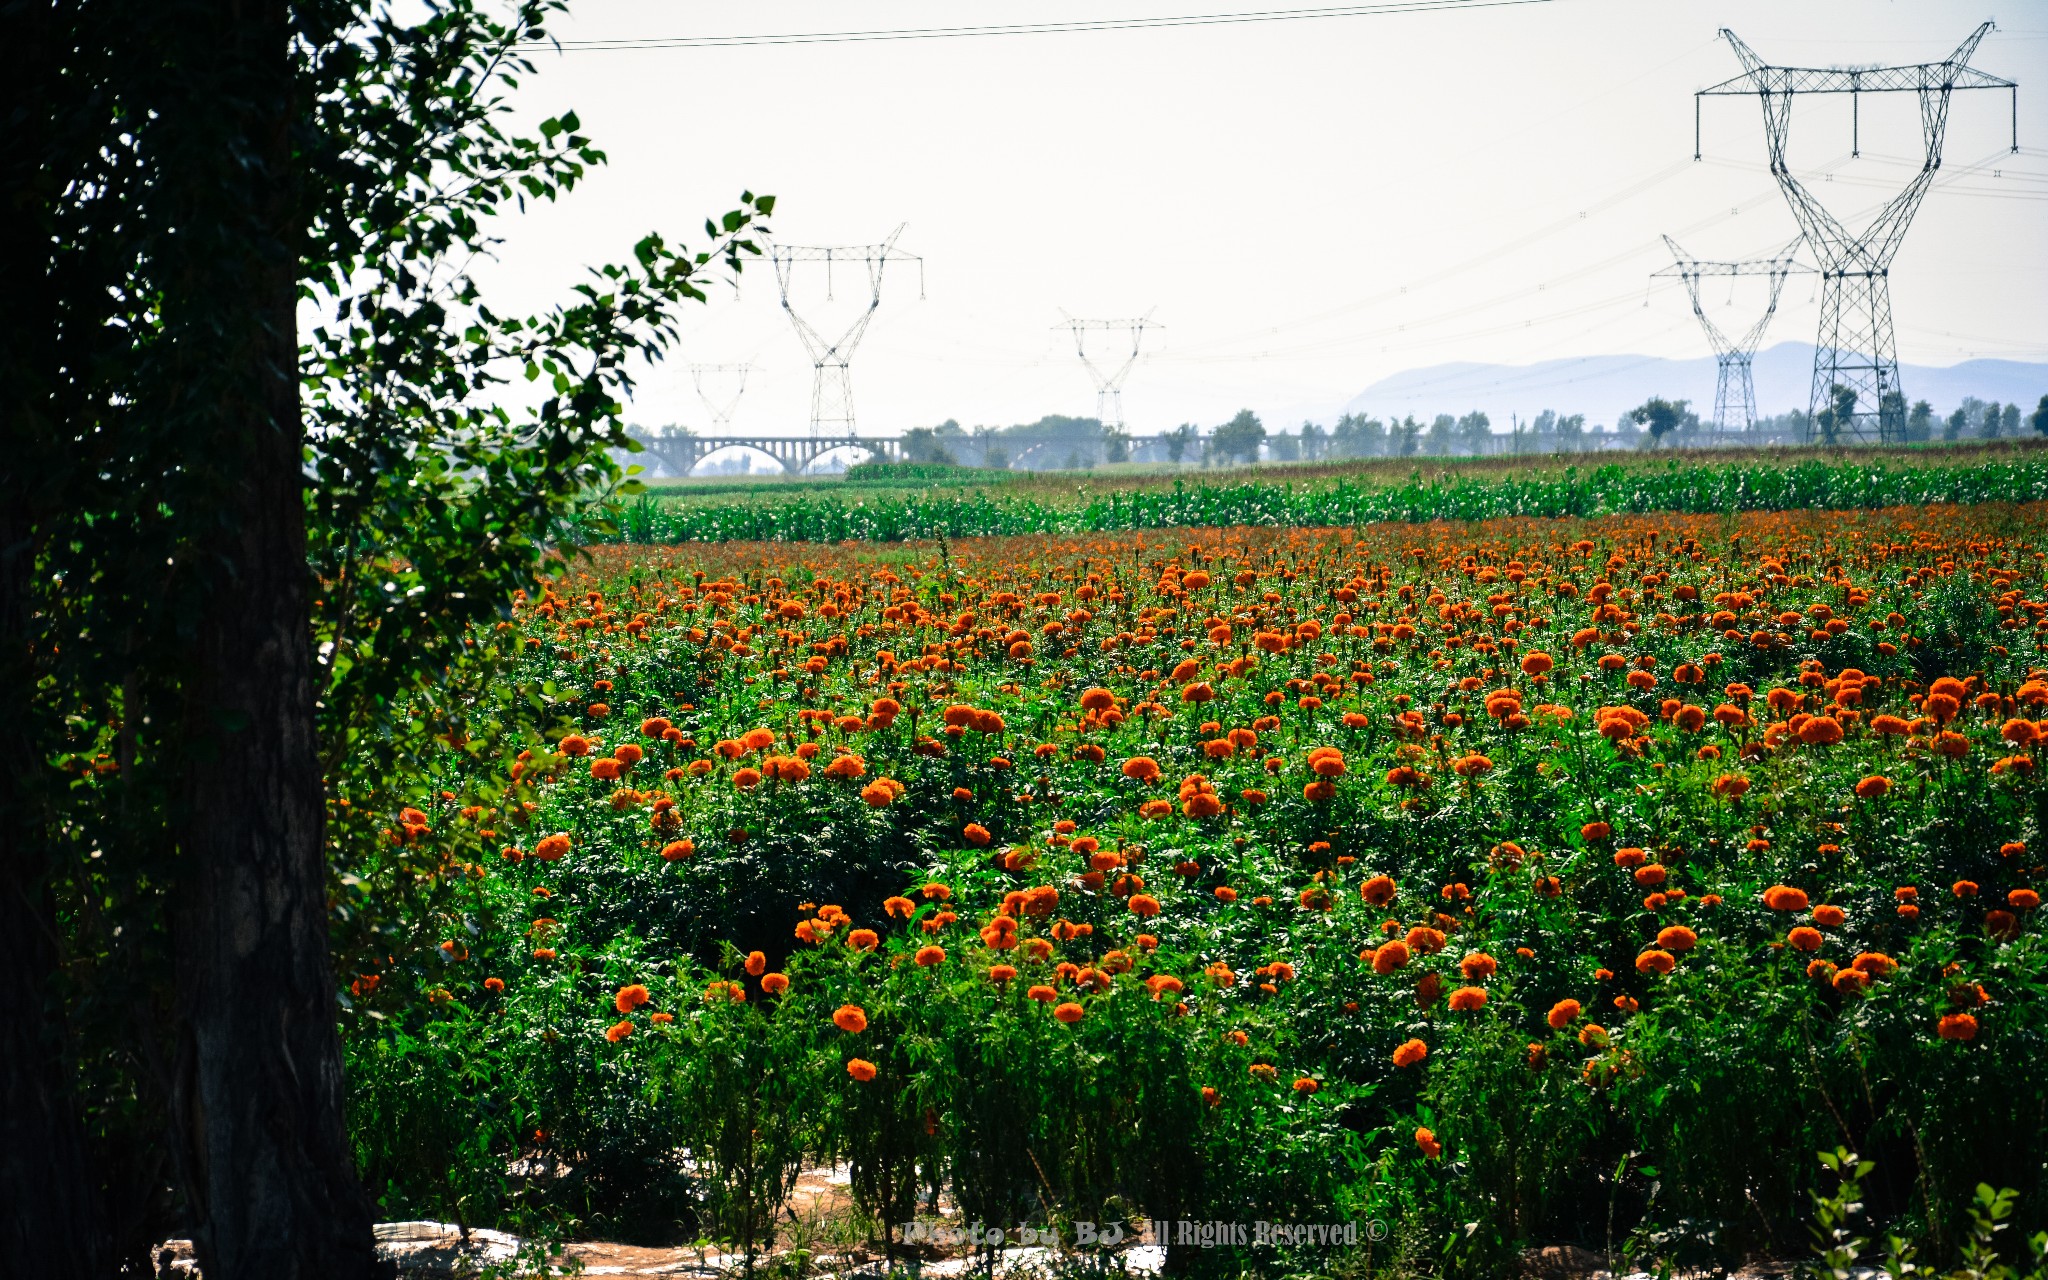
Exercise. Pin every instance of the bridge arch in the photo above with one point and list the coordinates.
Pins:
(844, 454)
(727, 452)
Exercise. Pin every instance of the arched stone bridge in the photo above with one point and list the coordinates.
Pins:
(679, 454)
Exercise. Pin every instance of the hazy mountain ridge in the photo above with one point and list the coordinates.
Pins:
(1601, 387)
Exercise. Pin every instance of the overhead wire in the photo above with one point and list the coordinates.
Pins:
(1382, 8)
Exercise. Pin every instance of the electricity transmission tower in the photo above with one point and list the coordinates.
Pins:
(1734, 389)
(832, 380)
(1109, 384)
(1856, 350)
(721, 410)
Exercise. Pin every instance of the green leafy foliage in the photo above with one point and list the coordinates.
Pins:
(1603, 490)
(860, 761)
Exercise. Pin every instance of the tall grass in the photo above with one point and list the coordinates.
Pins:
(1603, 490)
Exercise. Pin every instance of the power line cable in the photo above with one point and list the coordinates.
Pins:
(1077, 26)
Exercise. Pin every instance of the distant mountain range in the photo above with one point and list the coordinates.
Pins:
(1603, 387)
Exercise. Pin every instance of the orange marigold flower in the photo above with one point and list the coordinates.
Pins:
(1957, 1026)
(1478, 966)
(1069, 1012)
(1821, 731)
(1829, 916)
(1468, 999)
(1379, 890)
(1427, 1143)
(630, 998)
(1804, 938)
(929, 956)
(851, 1018)
(618, 1031)
(1654, 961)
(861, 1069)
(1142, 769)
(1410, 1052)
(1144, 904)
(1677, 938)
(1781, 897)
(1873, 787)
(1304, 1084)
(1425, 941)
(1471, 765)
(551, 847)
(1562, 1013)
(2023, 899)
(1390, 957)
(1730, 785)
(1593, 832)
(757, 964)
(496, 986)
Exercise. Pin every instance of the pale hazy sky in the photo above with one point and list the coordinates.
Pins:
(1305, 206)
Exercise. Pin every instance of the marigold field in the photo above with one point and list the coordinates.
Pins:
(1512, 883)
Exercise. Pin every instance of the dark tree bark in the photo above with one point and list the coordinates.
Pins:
(258, 1092)
(51, 1224)
(50, 1215)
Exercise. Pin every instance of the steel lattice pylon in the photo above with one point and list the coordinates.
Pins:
(1109, 385)
(832, 379)
(1855, 350)
(721, 410)
(1734, 388)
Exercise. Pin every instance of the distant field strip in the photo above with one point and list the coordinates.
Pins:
(1816, 486)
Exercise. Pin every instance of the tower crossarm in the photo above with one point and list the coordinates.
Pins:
(873, 258)
(1109, 380)
(1952, 72)
(831, 357)
(1692, 270)
(1113, 379)
(1855, 390)
(1840, 250)
(721, 409)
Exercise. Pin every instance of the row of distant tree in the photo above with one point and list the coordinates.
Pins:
(1057, 442)
(1063, 442)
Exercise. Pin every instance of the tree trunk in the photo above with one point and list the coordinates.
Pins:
(264, 1160)
(50, 1215)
